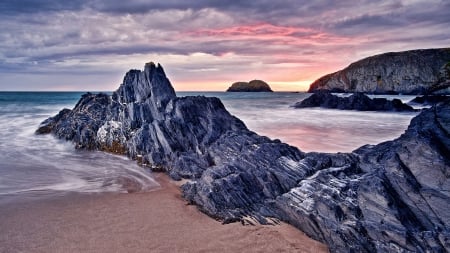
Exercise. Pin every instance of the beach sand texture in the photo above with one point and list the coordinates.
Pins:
(156, 221)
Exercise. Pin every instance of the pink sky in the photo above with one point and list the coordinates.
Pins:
(205, 45)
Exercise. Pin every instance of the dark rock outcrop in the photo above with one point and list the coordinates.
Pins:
(357, 101)
(430, 99)
(252, 86)
(408, 72)
(394, 196)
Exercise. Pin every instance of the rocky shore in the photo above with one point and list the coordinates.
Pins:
(429, 99)
(394, 196)
(357, 101)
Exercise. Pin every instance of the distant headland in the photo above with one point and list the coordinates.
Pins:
(252, 86)
(423, 71)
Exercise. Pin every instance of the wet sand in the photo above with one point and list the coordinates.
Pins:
(157, 221)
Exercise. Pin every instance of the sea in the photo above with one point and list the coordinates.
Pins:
(41, 166)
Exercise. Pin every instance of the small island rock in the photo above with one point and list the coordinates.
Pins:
(252, 86)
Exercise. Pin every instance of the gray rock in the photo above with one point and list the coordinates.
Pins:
(408, 72)
(394, 196)
(252, 86)
(388, 197)
(357, 101)
(429, 99)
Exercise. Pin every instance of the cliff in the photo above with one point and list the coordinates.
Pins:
(409, 72)
(394, 196)
(252, 86)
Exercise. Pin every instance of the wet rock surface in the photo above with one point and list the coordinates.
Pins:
(357, 101)
(394, 196)
(430, 99)
(410, 72)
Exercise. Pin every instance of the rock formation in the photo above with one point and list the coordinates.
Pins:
(429, 99)
(394, 196)
(357, 101)
(252, 86)
(408, 72)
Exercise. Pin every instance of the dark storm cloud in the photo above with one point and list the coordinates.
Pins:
(251, 9)
(94, 36)
(133, 6)
(94, 51)
(137, 6)
(430, 14)
(369, 22)
(338, 15)
(12, 7)
(393, 16)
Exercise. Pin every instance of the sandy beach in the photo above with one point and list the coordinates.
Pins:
(156, 221)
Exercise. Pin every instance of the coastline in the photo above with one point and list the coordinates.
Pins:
(155, 221)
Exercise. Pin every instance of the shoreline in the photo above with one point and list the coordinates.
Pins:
(155, 221)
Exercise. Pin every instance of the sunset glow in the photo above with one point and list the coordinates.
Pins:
(207, 45)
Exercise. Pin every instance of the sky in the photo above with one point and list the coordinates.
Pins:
(88, 45)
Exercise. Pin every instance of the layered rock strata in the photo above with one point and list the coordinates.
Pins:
(394, 196)
(357, 101)
(409, 72)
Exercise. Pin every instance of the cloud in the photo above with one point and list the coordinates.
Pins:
(13, 7)
(210, 41)
(368, 22)
(406, 16)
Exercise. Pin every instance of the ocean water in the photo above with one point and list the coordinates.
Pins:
(34, 166)
(313, 129)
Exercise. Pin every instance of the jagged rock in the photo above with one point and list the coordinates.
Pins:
(408, 72)
(394, 196)
(252, 86)
(49, 124)
(357, 101)
(429, 99)
(390, 197)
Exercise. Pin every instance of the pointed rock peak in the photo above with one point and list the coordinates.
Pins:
(150, 65)
(151, 83)
(152, 69)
